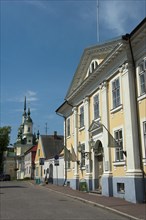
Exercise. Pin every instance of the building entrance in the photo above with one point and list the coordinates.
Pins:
(98, 160)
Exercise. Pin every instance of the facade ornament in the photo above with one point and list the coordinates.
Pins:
(103, 85)
(86, 100)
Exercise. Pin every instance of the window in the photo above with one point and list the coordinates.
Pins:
(116, 92)
(96, 106)
(82, 116)
(68, 127)
(38, 152)
(68, 159)
(144, 132)
(28, 130)
(120, 187)
(83, 156)
(119, 150)
(93, 66)
(142, 77)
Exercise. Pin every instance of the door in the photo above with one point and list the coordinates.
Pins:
(98, 158)
(50, 180)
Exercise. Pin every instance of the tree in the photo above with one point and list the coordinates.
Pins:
(4, 142)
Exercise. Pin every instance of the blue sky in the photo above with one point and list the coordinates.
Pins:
(41, 45)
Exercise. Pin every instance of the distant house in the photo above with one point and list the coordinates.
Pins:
(29, 164)
(9, 162)
(54, 169)
(49, 147)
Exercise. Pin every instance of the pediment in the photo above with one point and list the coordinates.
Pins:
(95, 125)
(91, 55)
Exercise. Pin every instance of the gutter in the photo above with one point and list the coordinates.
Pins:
(64, 147)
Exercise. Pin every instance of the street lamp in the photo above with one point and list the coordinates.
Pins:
(82, 151)
(91, 143)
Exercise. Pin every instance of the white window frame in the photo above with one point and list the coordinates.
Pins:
(144, 137)
(93, 65)
(81, 122)
(119, 150)
(68, 127)
(142, 61)
(114, 109)
(117, 99)
(96, 118)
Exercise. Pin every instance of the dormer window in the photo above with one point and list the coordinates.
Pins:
(93, 65)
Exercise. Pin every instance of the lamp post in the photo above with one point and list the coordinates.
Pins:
(82, 151)
(92, 143)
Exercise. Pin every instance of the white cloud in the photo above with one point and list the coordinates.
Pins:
(116, 14)
(41, 5)
(31, 96)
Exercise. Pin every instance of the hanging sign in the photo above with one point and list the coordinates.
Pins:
(41, 161)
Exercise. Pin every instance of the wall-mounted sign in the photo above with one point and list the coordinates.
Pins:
(41, 161)
(56, 162)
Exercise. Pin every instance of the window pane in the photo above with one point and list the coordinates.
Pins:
(116, 93)
(119, 151)
(82, 116)
(142, 83)
(96, 106)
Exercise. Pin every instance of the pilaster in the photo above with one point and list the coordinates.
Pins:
(131, 124)
(75, 118)
(107, 175)
(104, 97)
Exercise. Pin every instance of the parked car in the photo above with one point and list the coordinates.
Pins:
(5, 177)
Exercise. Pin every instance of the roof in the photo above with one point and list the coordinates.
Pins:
(52, 145)
(32, 149)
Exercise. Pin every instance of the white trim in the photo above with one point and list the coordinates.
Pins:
(138, 78)
(120, 127)
(99, 95)
(119, 163)
(118, 75)
(142, 136)
(116, 109)
(141, 97)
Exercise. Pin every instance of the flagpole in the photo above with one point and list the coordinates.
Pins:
(98, 21)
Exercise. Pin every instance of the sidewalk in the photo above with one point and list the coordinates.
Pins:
(133, 211)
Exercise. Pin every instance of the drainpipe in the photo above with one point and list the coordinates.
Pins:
(64, 147)
(127, 38)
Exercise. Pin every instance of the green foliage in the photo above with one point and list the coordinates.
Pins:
(4, 137)
(4, 142)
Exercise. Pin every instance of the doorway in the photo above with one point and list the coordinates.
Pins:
(50, 180)
(98, 165)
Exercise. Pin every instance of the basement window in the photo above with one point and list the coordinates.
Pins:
(120, 187)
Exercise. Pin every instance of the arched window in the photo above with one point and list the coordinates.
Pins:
(93, 65)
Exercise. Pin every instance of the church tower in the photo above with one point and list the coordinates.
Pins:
(25, 131)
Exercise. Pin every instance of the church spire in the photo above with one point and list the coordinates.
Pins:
(25, 104)
(28, 112)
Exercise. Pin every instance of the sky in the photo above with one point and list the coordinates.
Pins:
(41, 43)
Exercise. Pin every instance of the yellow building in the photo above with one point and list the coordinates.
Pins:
(105, 118)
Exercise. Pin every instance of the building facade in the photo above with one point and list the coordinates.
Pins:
(49, 148)
(105, 118)
(29, 162)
